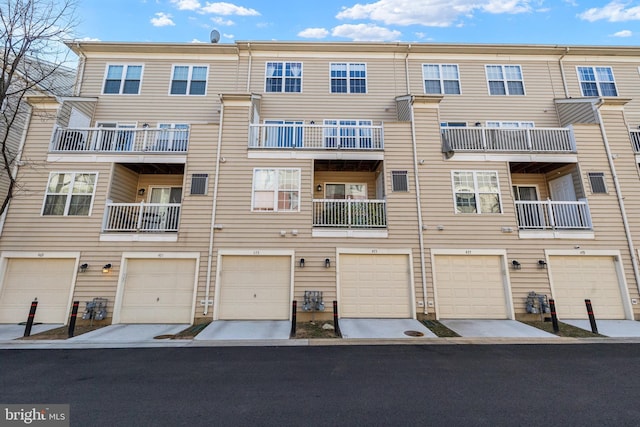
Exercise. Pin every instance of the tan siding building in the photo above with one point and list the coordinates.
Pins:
(192, 182)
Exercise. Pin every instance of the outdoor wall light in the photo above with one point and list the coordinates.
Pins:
(301, 262)
(516, 265)
(141, 192)
(327, 262)
(106, 268)
(145, 126)
(542, 263)
(83, 267)
(319, 187)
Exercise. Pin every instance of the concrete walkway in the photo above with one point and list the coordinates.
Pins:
(128, 333)
(11, 332)
(494, 328)
(609, 328)
(246, 330)
(384, 329)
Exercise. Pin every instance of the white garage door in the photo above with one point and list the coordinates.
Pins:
(576, 278)
(470, 287)
(255, 288)
(25, 279)
(158, 291)
(375, 286)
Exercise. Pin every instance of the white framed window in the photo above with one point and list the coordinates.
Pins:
(510, 125)
(189, 80)
(175, 138)
(283, 77)
(453, 124)
(70, 193)
(122, 79)
(399, 181)
(476, 192)
(441, 79)
(341, 191)
(113, 137)
(199, 184)
(284, 133)
(276, 190)
(597, 81)
(348, 133)
(348, 78)
(505, 79)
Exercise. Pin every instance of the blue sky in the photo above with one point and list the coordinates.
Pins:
(440, 21)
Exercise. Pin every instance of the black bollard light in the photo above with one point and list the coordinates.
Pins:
(294, 314)
(554, 317)
(592, 318)
(74, 315)
(336, 325)
(32, 314)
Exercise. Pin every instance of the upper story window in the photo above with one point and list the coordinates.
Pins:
(597, 81)
(283, 77)
(69, 193)
(510, 125)
(476, 192)
(173, 137)
(348, 78)
(276, 190)
(122, 79)
(505, 80)
(189, 80)
(441, 79)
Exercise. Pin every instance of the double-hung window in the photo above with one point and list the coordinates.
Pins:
(283, 77)
(189, 80)
(348, 133)
(442, 79)
(70, 193)
(505, 80)
(172, 137)
(276, 190)
(476, 192)
(122, 79)
(597, 81)
(348, 78)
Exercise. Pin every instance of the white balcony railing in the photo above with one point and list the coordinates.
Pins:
(147, 217)
(635, 140)
(349, 213)
(120, 140)
(553, 215)
(316, 137)
(552, 140)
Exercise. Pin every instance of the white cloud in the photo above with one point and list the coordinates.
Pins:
(228, 36)
(221, 21)
(223, 8)
(162, 20)
(613, 12)
(623, 33)
(365, 32)
(196, 41)
(313, 33)
(186, 4)
(430, 13)
(88, 39)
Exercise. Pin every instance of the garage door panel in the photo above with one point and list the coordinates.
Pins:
(470, 287)
(375, 286)
(158, 291)
(48, 280)
(254, 287)
(576, 278)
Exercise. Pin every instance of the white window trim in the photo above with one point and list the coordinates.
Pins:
(597, 81)
(442, 79)
(345, 183)
(535, 186)
(476, 192)
(190, 66)
(123, 78)
(68, 200)
(405, 174)
(284, 77)
(277, 190)
(504, 124)
(348, 92)
(505, 80)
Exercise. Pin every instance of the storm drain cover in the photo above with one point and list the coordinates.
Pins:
(414, 333)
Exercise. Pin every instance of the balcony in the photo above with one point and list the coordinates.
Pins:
(141, 217)
(353, 213)
(501, 140)
(119, 140)
(635, 140)
(551, 215)
(316, 137)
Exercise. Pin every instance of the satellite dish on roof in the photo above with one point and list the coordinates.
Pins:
(215, 36)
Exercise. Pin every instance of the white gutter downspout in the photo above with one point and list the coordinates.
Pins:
(213, 212)
(249, 65)
(616, 184)
(564, 79)
(419, 203)
(16, 164)
(406, 68)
